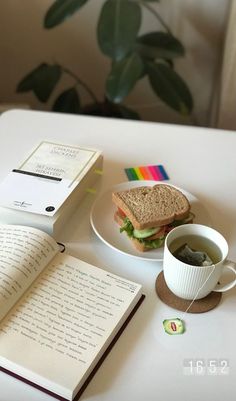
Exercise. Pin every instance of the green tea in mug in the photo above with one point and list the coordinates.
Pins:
(195, 250)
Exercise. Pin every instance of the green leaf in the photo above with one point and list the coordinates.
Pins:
(127, 113)
(147, 1)
(127, 226)
(170, 87)
(118, 27)
(123, 77)
(46, 81)
(28, 82)
(61, 10)
(153, 244)
(159, 45)
(41, 81)
(67, 102)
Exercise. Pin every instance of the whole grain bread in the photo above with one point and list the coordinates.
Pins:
(152, 206)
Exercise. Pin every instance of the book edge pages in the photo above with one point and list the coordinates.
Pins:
(94, 370)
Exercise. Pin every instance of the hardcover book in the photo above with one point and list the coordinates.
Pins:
(59, 315)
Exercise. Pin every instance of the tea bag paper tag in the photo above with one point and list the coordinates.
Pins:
(174, 326)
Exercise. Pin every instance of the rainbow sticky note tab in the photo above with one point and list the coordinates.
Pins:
(155, 173)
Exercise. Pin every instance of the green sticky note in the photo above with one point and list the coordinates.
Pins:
(91, 190)
(98, 171)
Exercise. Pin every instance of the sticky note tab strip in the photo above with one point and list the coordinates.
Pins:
(91, 190)
(155, 173)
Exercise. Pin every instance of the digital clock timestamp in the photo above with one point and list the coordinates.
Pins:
(202, 366)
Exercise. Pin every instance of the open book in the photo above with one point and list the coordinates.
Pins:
(59, 315)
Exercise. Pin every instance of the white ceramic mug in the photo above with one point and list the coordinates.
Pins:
(195, 282)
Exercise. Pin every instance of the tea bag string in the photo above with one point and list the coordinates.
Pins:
(194, 299)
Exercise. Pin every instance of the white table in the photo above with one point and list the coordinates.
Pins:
(146, 363)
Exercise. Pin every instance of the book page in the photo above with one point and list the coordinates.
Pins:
(67, 316)
(24, 252)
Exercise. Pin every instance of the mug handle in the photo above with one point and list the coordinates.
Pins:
(230, 266)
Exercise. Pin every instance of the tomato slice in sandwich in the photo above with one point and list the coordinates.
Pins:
(121, 213)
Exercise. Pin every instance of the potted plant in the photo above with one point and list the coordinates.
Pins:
(133, 57)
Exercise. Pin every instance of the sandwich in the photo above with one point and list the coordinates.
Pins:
(147, 214)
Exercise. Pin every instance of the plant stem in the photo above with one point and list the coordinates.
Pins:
(154, 12)
(80, 82)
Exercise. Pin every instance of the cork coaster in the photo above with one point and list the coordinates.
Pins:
(198, 306)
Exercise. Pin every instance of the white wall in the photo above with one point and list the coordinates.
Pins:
(24, 44)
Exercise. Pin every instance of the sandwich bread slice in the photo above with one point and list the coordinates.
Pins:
(147, 214)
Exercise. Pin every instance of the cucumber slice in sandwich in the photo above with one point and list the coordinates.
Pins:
(147, 232)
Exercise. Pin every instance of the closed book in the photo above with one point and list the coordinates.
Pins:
(46, 189)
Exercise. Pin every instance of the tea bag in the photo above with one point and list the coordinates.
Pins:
(192, 257)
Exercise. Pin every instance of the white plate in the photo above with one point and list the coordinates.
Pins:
(102, 221)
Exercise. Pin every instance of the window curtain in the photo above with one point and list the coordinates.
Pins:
(225, 112)
(201, 26)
